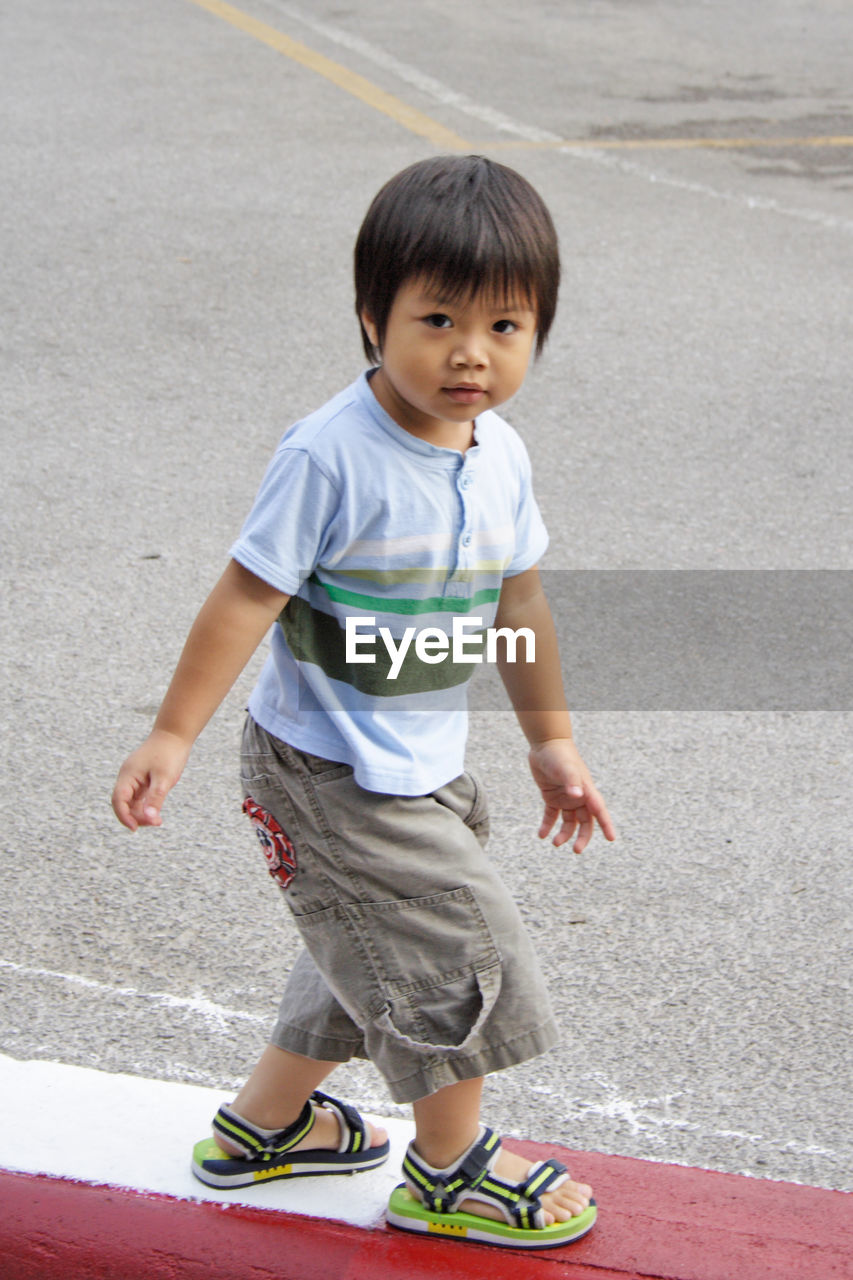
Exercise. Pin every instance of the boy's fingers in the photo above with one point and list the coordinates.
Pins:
(125, 817)
(122, 800)
(583, 819)
(573, 820)
(580, 817)
(137, 802)
(157, 790)
(603, 818)
(549, 817)
(597, 811)
(584, 835)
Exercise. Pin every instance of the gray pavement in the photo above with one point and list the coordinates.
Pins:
(179, 207)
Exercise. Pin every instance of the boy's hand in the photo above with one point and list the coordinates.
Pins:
(569, 793)
(146, 778)
(233, 620)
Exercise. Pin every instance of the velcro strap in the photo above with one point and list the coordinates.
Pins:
(475, 1165)
(353, 1132)
(528, 1210)
(442, 1189)
(542, 1176)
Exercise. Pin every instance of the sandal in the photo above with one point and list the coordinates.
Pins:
(471, 1178)
(271, 1155)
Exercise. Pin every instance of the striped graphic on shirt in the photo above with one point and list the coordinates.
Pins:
(317, 637)
(407, 604)
(405, 584)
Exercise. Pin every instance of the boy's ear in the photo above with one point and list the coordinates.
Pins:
(370, 329)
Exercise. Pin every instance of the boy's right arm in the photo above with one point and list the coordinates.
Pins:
(231, 624)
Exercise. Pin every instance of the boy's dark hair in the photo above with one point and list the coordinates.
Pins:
(462, 224)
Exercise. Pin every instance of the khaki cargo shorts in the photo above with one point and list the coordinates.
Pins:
(415, 953)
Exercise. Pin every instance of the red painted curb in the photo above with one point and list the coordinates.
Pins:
(657, 1222)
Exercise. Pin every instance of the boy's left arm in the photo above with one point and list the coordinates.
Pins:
(536, 692)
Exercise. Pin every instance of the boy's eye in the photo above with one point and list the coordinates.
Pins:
(505, 326)
(438, 321)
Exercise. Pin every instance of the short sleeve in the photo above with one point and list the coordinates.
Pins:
(531, 536)
(290, 524)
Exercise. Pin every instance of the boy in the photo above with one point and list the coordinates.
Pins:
(405, 499)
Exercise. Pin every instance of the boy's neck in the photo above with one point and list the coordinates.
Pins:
(446, 435)
(440, 432)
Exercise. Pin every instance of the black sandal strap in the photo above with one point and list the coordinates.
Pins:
(542, 1177)
(527, 1209)
(258, 1146)
(352, 1125)
(443, 1189)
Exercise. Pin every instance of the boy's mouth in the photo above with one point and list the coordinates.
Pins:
(464, 392)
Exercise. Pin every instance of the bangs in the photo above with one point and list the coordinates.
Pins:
(500, 287)
(469, 250)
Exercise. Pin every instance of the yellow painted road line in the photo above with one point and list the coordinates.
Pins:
(424, 126)
(664, 144)
(409, 117)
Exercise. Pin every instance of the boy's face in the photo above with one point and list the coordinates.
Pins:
(444, 362)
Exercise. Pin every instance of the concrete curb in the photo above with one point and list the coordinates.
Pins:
(657, 1222)
(95, 1184)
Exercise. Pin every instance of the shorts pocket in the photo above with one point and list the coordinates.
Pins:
(319, 768)
(478, 815)
(429, 974)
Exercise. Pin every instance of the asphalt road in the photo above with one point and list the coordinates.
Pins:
(181, 190)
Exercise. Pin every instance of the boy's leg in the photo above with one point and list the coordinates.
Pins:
(277, 1090)
(447, 1123)
(372, 913)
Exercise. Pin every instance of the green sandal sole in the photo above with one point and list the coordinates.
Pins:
(407, 1213)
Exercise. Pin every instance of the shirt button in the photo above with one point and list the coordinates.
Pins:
(466, 541)
(466, 482)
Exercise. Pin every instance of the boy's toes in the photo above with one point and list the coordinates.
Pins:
(377, 1135)
(567, 1201)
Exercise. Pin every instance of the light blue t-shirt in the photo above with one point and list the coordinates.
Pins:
(358, 520)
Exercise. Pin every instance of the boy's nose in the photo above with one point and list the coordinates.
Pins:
(470, 353)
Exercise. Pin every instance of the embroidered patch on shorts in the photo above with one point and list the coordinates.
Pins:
(278, 850)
